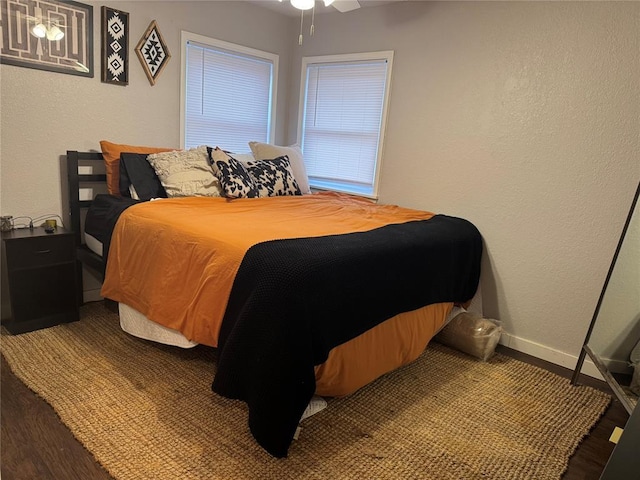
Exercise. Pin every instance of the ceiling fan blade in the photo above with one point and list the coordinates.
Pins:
(346, 5)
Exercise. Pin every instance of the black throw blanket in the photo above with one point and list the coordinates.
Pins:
(294, 300)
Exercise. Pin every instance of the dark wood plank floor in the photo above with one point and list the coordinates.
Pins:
(36, 445)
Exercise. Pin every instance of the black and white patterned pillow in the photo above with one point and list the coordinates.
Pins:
(274, 177)
(234, 177)
(266, 178)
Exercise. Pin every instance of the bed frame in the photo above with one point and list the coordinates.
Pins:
(76, 182)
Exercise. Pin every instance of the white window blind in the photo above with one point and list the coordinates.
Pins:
(228, 95)
(343, 119)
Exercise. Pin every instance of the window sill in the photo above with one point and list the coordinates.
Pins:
(316, 189)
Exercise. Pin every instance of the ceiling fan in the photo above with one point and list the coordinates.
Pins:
(302, 5)
(340, 5)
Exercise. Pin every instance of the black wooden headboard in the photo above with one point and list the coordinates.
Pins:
(76, 182)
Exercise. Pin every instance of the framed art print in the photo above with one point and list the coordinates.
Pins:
(115, 46)
(152, 52)
(52, 35)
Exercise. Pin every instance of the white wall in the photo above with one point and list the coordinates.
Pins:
(44, 114)
(522, 117)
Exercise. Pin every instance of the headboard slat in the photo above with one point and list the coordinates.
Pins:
(76, 181)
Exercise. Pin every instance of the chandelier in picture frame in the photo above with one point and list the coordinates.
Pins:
(153, 52)
(51, 35)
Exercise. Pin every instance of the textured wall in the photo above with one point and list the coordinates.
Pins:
(523, 117)
(44, 114)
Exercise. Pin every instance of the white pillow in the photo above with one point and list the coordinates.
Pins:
(186, 173)
(244, 158)
(266, 151)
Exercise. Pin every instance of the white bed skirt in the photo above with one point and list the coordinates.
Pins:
(138, 325)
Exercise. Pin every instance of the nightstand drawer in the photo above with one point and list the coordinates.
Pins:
(39, 251)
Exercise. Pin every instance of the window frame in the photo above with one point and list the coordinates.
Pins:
(186, 37)
(386, 55)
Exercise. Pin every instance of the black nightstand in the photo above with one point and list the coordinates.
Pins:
(42, 278)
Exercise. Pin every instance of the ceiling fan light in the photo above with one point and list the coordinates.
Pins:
(303, 4)
(39, 30)
(55, 33)
(327, 2)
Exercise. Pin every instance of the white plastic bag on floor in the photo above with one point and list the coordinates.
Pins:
(472, 334)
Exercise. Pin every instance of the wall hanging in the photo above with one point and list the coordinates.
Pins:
(52, 35)
(115, 46)
(152, 52)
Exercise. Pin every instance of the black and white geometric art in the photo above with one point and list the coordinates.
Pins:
(115, 46)
(153, 52)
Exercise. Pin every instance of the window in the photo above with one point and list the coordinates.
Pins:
(228, 94)
(342, 120)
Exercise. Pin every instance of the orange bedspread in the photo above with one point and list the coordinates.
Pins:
(174, 260)
(387, 346)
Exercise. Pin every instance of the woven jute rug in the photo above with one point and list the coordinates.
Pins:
(146, 411)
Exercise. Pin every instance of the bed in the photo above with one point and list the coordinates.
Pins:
(296, 303)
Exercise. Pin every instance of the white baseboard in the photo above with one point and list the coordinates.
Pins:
(549, 354)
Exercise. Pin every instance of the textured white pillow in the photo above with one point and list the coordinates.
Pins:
(266, 151)
(186, 173)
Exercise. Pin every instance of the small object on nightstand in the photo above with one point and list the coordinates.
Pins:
(41, 268)
(50, 225)
(6, 223)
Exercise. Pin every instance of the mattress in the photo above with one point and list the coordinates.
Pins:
(177, 259)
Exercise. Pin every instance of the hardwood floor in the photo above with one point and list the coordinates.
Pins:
(36, 445)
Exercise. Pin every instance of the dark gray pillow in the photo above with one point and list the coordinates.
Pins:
(135, 170)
